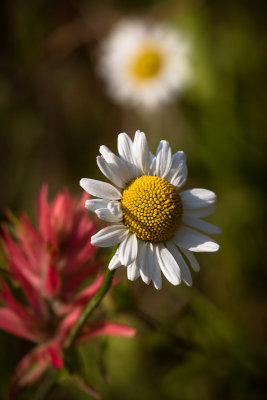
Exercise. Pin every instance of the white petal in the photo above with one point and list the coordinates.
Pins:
(197, 198)
(109, 236)
(141, 152)
(186, 274)
(177, 174)
(105, 152)
(177, 158)
(179, 177)
(94, 204)
(156, 273)
(125, 147)
(115, 262)
(201, 225)
(125, 150)
(133, 272)
(119, 166)
(106, 215)
(109, 173)
(100, 189)
(163, 159)
(200, 212)
(192, 259)
(167, 264)
(190, 239)
(153, 166)
(115, 208)
(128, 249)
(146, 263)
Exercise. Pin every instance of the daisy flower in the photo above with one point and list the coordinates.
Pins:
(145, 64)
(156, 225)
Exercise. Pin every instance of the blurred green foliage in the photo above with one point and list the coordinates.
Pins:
(203, 342)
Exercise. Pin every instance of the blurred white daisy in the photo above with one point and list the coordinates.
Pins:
(155, 223)
(144, 63)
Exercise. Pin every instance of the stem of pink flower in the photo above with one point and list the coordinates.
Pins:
(87, 311)
(89, 308)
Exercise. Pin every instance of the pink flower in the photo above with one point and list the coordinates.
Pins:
(50, 263)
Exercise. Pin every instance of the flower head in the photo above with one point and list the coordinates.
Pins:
(155, 223)
(49, 264)
(144, 63)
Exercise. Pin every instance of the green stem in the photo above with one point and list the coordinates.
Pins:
(90, 307)
(46, 385)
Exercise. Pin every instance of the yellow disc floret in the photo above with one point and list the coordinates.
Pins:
(146, 64)
(152, 208)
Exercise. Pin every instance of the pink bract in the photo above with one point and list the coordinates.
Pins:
(50, 263)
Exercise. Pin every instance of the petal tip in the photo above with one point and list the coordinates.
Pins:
(82, 182)
(213, 247)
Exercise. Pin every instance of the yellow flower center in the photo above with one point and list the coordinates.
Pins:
(152, 208)
(147, 64)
